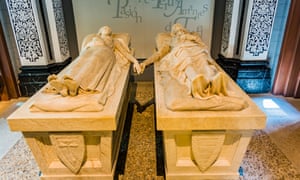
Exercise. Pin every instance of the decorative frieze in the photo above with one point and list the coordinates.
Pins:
(42, 49)
(28, 32)
(247, 29)
(245, 43)
(32, 40)
(258, 28)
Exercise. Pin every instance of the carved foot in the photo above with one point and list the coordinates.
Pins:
(64, 91)
(52, 77)
(58, 85)
(71, 85)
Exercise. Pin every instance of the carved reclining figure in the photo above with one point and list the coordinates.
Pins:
(91, 78)
(190, 77)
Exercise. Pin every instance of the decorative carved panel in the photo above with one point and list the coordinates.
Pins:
(70, 149)
(25, 28)
(28, 32)
(258, 28)
(206, 147)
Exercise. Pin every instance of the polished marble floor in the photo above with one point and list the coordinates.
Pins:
(273, 152)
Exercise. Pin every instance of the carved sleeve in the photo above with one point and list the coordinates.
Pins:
(158, 55)
(125, 52)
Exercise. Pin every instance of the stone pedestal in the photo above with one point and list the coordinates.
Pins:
(75, 145)
(205, 144)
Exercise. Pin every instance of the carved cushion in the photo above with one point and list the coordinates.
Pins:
(125, 37)
(162, 38)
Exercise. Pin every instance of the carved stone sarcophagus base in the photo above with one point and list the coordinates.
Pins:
(204, 154)
(75, 145)
(204, 144)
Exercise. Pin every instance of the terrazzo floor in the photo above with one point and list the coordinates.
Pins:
(140, 156)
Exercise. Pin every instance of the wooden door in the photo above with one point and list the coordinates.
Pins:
(8, 83)
(287, 78)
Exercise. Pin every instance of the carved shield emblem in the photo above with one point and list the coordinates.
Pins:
(70, 149)
(206, 147)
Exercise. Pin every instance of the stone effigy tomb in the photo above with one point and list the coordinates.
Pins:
(78, 136)
(207, 121)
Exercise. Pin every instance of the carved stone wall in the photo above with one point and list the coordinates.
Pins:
(247, 29)
(28, 31)
(41, 40)
(258, 28)
(246, 36)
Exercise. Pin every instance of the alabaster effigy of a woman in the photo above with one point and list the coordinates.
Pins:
(90, 79)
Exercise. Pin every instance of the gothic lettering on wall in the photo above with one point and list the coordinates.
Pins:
(260, 27)
(144, 19)
(25, 28)
(178, 11)
(60, 27)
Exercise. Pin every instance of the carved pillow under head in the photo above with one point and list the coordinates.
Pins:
(162, 38)
(125, 37)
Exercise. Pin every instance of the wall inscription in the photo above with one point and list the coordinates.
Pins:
(143, 19)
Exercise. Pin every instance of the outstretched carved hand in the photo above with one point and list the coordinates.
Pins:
(143, 67)
(137, 68)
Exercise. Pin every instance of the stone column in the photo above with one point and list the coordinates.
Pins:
(41, 40)
(56, 26)
(29, 32)
(246, 37)
(230, 28)
(257, 31)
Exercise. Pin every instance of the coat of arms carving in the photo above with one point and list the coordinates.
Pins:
(70, 149)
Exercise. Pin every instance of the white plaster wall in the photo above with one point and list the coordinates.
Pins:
(143, 19)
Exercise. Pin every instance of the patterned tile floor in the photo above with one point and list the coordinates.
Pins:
(141, 155)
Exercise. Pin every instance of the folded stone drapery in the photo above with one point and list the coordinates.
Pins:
(190, 77)
(91, 78)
